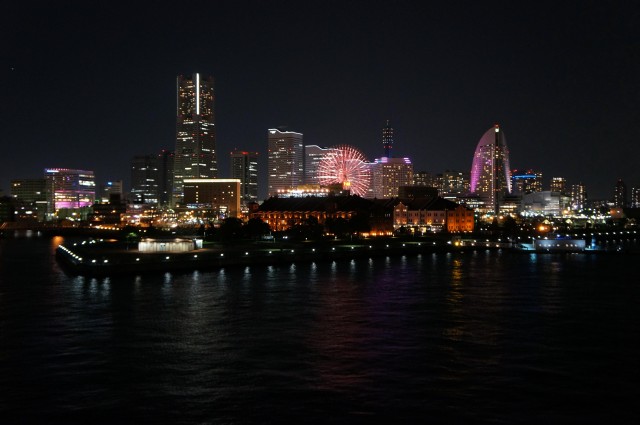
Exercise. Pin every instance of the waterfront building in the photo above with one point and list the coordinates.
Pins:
(144, 179)
(68, 189)
(525, 182)
(220, 196)
(578, 196)
(490, 171)
(433, 215)
(620, 194)
(195, 153)
(285, 160)
(388, 174)
(244, 167)
(387, 140)
(558, 184)
(285, 213)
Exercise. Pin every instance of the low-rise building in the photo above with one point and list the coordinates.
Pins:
(433, 215)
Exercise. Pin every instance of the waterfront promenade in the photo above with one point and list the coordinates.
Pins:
(105, 258)
(100, 258)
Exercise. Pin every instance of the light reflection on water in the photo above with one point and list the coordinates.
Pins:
(454, 335)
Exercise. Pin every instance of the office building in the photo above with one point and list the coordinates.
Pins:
(29, 190)
(244, 167)
(69, 189)
(285, 160)
(195, 153)
(490, 171)
(144, 179)
(525, 182)
(221, 196)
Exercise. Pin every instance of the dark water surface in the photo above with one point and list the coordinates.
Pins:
(477, 337)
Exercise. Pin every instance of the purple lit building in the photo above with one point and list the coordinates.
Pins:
(490, 171)
(69, 189)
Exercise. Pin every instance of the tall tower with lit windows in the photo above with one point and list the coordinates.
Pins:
(490, 172)
(285, 160)
(195, 153)
(387, 139)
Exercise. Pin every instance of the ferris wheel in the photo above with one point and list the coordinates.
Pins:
(345, 165)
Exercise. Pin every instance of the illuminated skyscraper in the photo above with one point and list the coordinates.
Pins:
(490, 172)
(244, 166)
(387, 139)
(195, 154)
(620, 194)
(285, 160)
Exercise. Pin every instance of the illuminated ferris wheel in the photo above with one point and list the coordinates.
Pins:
(347, 166)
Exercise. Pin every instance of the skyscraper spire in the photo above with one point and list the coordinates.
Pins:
(387, 139)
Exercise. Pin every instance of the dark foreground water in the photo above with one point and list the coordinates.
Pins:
(482, 337)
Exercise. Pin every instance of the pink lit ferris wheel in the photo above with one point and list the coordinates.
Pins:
(348, 166)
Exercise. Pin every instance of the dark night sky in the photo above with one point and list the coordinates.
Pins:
(89, 85)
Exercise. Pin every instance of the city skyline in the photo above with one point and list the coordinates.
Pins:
(90, 87)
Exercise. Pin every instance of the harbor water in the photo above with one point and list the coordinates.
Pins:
(479, 336)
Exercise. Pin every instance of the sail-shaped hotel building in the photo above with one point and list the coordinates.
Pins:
(490, 172)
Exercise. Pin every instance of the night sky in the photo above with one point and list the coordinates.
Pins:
(90, 85)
